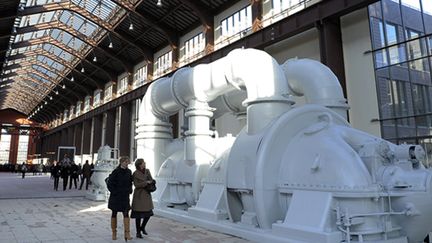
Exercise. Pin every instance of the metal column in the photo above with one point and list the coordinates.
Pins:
(87, 136)
(125, 129)
(97, 129)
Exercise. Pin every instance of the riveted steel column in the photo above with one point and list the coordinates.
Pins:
(110, 127)
(13, 149)
(78, 138)
(97, 133)
(57, 141)
(70, 136)
(63, 137)
(331, 49)
(125, 129)
(87, 136)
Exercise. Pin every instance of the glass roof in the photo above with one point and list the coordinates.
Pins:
(101, 11)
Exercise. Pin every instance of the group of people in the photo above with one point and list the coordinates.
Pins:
(69, 171)
(119, 184)
(24, 168)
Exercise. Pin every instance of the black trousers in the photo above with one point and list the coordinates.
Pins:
(74, 180)
(87, 179)
(65, 181)
(141, 226)
(56, 182)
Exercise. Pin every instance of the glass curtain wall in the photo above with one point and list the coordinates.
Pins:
(401, 35)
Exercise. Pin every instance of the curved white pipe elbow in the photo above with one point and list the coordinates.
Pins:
(315, 81)
(231, 102)
(253, 69)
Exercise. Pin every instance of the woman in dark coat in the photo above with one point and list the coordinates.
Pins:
(56, 171)
(142, 203)
(65, 172)
(120, 186)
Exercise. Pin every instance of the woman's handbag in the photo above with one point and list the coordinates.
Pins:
(151, 187)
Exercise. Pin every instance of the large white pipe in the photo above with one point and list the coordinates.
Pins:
(154, 133)
(231, 102)
(250, 69)
(316, 82)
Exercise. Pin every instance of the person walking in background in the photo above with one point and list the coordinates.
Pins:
(51, 169)
(40, 168)
(119, 183)
(23, 169)
(79, 172)
(86, 172)
(73, 175)
(55, 173)
(142, 203)
(92, 168)
(66, 160)
(65, 172)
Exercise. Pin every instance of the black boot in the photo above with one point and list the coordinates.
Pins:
(144, 223)
(138, 229)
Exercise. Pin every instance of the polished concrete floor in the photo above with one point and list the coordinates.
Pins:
(31, 211)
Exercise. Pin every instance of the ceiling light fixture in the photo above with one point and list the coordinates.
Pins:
(94, 56)
(56, 92)
(63, 86)
(110, 41)
(159, 3)
(72, 79)
(131, 27)
(50, 98)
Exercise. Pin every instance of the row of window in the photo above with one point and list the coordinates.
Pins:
(402, 40)
(406, 99)
(425, 5)
(397, 52)
(5, 143)
(231, 28)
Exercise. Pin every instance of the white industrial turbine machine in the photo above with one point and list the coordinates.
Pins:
(295, 173)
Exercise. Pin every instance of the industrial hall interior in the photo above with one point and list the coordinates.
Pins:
(298, 121)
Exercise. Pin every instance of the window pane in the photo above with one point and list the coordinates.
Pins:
(386, 99)
(430, 45)
(415, 4)
(381, 58)
(415, 50)
(381, 33)
(427, 6)
(391, 34)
